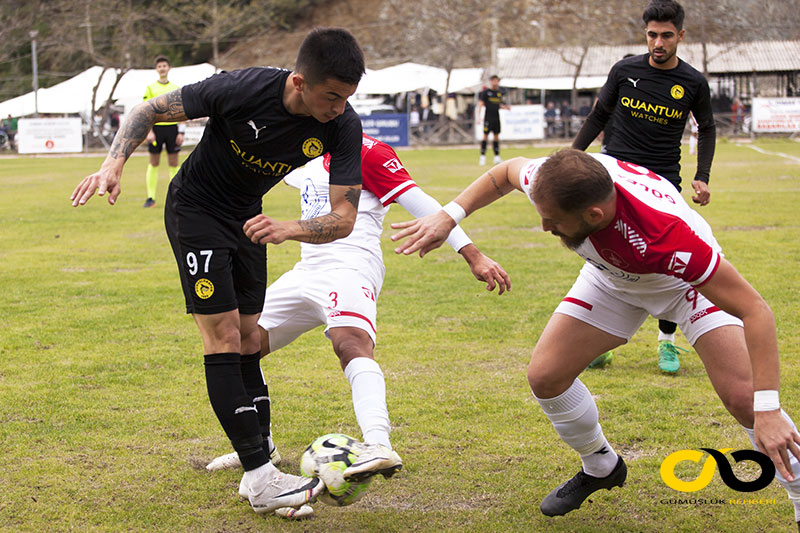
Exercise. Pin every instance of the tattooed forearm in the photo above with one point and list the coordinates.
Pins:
(352, 195)
(165, 108)
(321, 229)
(494, 183)
(168, 107)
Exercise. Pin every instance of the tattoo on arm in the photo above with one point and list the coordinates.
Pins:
(167, 107)
(494, 183)
(321, 229)
(352, 195)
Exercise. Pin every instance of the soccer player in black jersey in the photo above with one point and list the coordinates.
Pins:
(650, 97)
(263, 123)
(492, 98)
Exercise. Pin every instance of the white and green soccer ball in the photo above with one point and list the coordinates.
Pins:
(327, 458)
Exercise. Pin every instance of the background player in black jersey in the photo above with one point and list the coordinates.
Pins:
(492, 98)
(263, 123)
(650, 97)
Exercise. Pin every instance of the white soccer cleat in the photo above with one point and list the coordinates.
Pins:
(372, 459)
(497, 159)
(230, 461)
(290, 513)
(283, 490)
(482, 160)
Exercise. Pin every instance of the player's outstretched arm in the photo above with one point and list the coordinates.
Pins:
(420, 204)
(165, 108)
(326, 228)
(729, 291)
(428, 233)
(486, 269)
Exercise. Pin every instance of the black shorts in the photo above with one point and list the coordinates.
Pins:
(165, 135)
(491, 125)
(220, 268)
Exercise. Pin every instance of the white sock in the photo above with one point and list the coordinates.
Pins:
(796, 510)
(792, 487)
(574, 417)
(666, 337)
(369, 399)
(257, 479)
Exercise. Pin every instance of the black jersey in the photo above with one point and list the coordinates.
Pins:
(251, 141)
(649, 107)
(492, 100)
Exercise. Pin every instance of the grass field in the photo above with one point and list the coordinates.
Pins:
(105, 423)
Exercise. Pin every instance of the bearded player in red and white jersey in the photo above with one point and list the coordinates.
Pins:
(646, 253)
(337, 285)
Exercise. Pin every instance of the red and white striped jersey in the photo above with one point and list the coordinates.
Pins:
(655, 241)
(383, 180)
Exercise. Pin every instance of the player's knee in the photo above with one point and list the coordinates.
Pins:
(351, 343)
(739, 403)
(543, 384)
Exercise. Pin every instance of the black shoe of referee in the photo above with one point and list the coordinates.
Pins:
(570, 495)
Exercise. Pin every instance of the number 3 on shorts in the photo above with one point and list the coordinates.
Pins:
(333, 296)
(192, 263)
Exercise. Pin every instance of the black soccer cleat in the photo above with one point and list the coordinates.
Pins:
(149, 203)
(571, 494)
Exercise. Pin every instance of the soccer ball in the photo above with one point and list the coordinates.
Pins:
(327, 457)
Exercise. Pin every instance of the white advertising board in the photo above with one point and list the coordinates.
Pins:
(776, 115)
(49, 135)
(521, 122)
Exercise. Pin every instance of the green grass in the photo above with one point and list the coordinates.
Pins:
(105, 424)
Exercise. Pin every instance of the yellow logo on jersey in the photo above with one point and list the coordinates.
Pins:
(676, 92)
(312, 147)
(204, 288)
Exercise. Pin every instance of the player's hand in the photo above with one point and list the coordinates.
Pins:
(776, 438)
(486, 269)
(702, 194)
(262, 229)
(179, 139)
(107, 179)
(424, 234)
(151, 138)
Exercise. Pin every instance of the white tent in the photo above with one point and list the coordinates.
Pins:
(407, 77)
(75, 94)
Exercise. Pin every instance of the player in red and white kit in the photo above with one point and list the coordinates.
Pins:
(337, 285)
(646, 252)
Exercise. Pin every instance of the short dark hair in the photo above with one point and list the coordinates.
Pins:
(494, 77)
(573, 180)
(161, 59)
(330, 53)
(664, 11)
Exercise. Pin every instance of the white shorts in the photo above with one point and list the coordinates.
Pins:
(622, 313)
(300, 300)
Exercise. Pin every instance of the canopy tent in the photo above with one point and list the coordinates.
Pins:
(557, 83)
(408, 77)
(75, 94)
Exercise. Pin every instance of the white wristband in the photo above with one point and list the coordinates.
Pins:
(766, 400)
(455, 211)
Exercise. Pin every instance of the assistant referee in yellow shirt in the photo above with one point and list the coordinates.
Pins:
(163, 133)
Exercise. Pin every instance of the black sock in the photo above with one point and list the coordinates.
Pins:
(256, 388)
(483, 147)
(665, 326)
(496, 147)
(234, 408)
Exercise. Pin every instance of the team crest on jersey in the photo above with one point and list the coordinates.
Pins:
(679, 262)
(614, 258)
(677, 92)
(368, 143)
(204, 288)
(393, 165)
(312, 147)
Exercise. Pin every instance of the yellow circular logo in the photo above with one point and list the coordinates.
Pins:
(676, 92)
(312, 147)
(204, 288)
